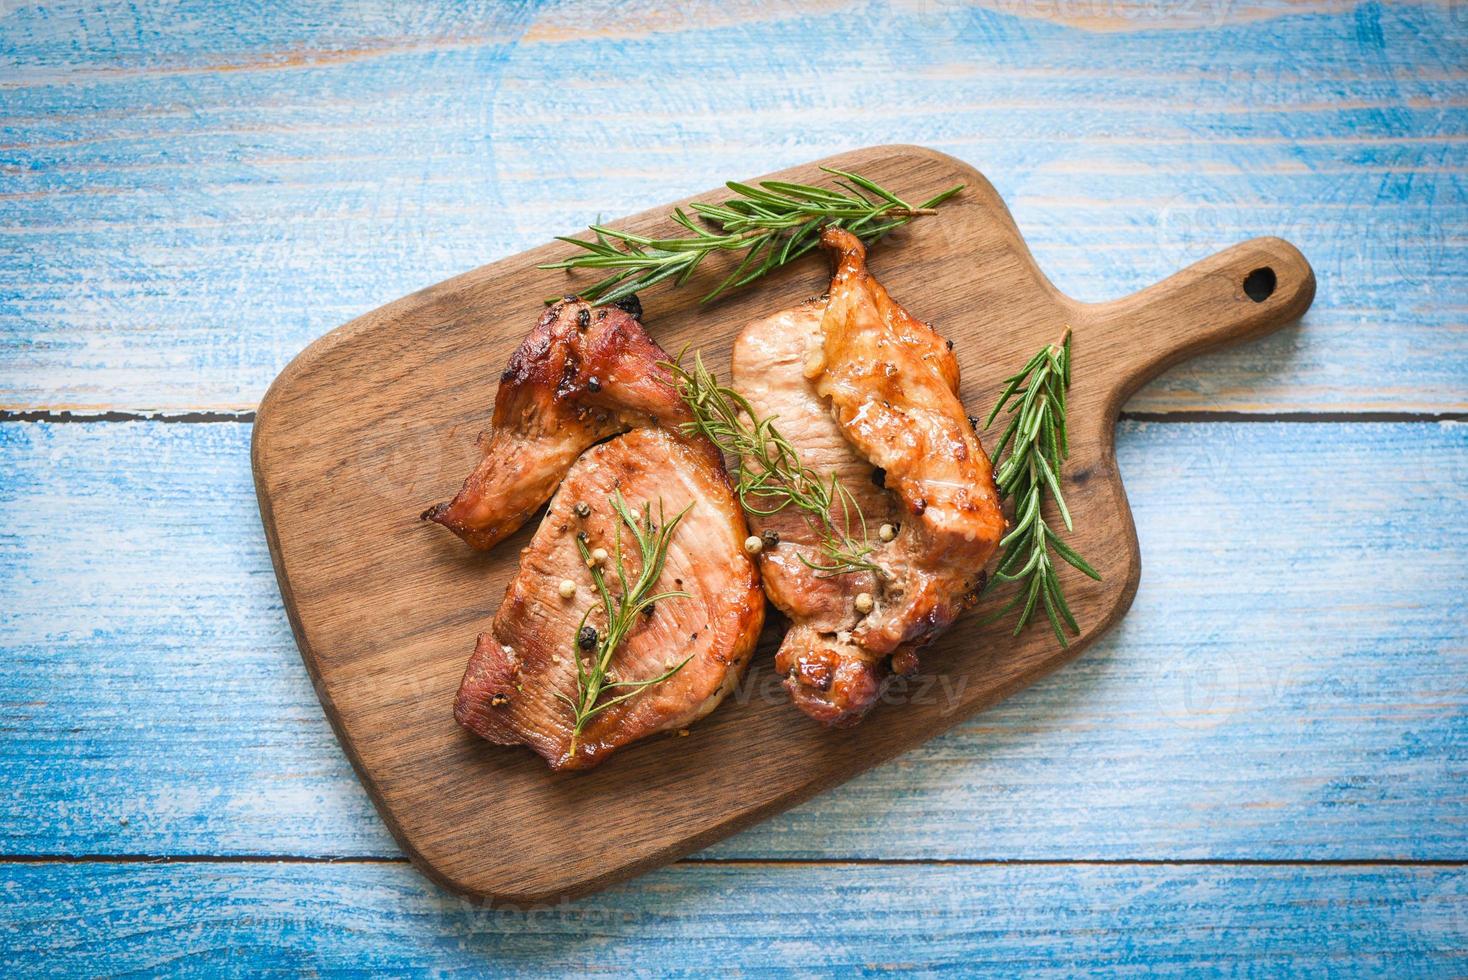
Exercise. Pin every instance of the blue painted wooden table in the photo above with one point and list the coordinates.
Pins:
(1263, 770)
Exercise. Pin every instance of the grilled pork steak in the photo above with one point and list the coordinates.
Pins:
(509, 692)
(584, 373)
(868, 392)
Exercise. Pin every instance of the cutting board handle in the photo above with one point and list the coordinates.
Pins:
(1245, 291)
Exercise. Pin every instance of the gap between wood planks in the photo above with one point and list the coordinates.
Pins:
(64, 416)
(764, 862)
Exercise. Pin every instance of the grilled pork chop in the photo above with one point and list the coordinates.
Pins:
(509, 692)
(869, 393)
(583, 374)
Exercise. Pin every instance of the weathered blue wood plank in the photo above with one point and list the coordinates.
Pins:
(1287, 685)
(189, 195)
(1001, 920)
(154, 693)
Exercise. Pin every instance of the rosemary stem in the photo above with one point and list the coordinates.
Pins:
(621, 610)
(1029, 459)
(769, 473)
(774, 223)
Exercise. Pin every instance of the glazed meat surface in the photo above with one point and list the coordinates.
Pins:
(870, 393)
(508, 694)
(583, 374)
(892, 383)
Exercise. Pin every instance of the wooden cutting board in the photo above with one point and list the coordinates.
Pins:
(375, 421)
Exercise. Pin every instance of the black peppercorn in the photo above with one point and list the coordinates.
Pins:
(593, 384)
(770, 538)
(582, 509)
(630, 304)
(586, 639)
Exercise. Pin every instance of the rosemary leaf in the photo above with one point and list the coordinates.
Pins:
(769, 473)
(772, 223)
(1028, 459)
(620, 610)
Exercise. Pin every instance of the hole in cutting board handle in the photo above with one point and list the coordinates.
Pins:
(1259, 284)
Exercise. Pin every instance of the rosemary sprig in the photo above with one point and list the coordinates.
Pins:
(1037, 446)
(769, 473)
(773, 223)
(620, 610)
